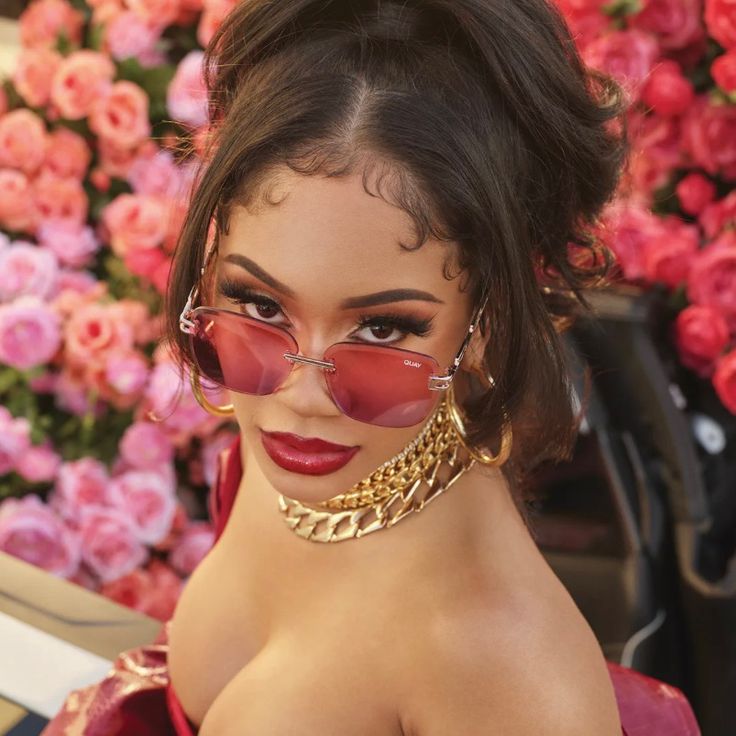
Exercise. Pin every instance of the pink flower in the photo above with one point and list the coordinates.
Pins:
(17, 205)
(30, 531)
(30, 333)
(723, 70)
(73, 245)
(709, 136)
(627, 55)
(676, 23)
(213, 15)
(22, 140)
(135, 222)
(666, 90)
(719, 215)
(668, 257)
(84, 482)
(144, 263)
(126, 373)
(695, 191)
(81, 282)
(152, 591)
(95, 332)
(38, 464)
(148, 498)
(724, 380)
(27, 269)
(43, 21)
(720, 20)
(701, 335)
(712, 281)
(109, 544)
(159, 12)
(129, 35)
(60, 199)
(145, 446)
(15, 439)
(192, 547)
(155, 173)
(33, 73)
(186, 97)
(72, 395)
(81, 78)
(121, 115)
(67, 154)
(114, 160)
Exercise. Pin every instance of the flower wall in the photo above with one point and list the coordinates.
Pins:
(100, 124)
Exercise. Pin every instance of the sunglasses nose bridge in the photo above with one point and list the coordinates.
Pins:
(324, 364)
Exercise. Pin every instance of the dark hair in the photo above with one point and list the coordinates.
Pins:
(485, 127)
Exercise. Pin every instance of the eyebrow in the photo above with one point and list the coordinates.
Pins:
(354, 302)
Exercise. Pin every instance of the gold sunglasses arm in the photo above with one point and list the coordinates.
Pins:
(185, 324)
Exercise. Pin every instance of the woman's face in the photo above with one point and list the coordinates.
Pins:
(323, 263)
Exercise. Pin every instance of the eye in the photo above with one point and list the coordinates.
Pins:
(255, 305)
(386, 329)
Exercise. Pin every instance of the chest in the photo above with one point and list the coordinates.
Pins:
(250, 654)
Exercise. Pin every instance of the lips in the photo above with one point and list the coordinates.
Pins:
(307, 455)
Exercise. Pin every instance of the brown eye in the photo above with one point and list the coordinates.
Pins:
(266, 311)
(382, 331)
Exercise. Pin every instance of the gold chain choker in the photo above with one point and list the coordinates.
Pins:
(405, 483)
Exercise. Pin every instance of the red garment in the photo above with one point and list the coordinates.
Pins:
(136, 697)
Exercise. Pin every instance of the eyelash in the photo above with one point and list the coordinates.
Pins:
(419, 326)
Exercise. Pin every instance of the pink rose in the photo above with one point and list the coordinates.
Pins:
(121, 115)
(22, 140)
(145, 446)
(30, 531)
(154, 591)
(81, 483)
(94, 332)
(15, 440)
(156, 12)
(695, 191)
(668, 257)
(30, 333)
(33, 73)
(720, 20)
(719, 215)
(149, 499)
(135, 222)
(186, 97)
(724, 380)
(723, 71)
(192, 547)
(167, 586)
(38, 464)
(126, 373)
(109, 544)
(72, 395)
(60, 199)
(17, 205)
(73, 245)
(666, 90)
(144, 263)
(712, 281)
(81, 282)
(212, 17)
(114, 160)
(43, 21)
(155, 173)
(676, 23)
(27, 269)
(701, 335)
(129, 35)
(709, 136)
(627, 55)
(67, 154)
(81, 78)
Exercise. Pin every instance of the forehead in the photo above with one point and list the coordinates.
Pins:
(328, 233)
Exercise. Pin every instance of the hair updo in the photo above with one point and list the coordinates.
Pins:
(485, 127)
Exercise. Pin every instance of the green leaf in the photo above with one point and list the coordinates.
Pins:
(95, 35)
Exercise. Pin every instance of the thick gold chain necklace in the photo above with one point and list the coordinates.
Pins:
(390, 492)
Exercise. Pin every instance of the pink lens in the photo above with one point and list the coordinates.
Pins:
(381, 385)
(240, 353)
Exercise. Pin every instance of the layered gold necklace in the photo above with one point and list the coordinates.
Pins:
(427, 467)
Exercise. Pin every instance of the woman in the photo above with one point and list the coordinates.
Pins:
(396, 198)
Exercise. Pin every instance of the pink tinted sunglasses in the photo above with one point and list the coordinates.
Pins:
(376, 384)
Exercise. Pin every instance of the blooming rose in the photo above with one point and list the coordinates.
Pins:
(60, 199)
(145, 445)
(17, 206)
(213, 15)
(73, 245)
(15, 439)
(186, 97)
(22, 140)
(33, 73)
(720, 20)
(94, 332)
(158, 12)
(153, 591)
(43, 21)
(709, 136)
(724, 380)
(83, 482)
(126, 373)
(30, 531)
(73, 395)
(129, 35)
(30, 333)
(695, 191)
(135, 222)
(39, 463)
(81, 78)
(109, 544)
(723, 71)
(701, 335)
(27, 269)
(676, 23)
(666, 90)
(121, 115)
(194, 543)
(149, 499)
(155, 173)
(712, 281)
(668, 257)
(67, 154)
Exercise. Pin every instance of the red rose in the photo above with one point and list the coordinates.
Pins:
(701, 334)
(720, 20)
(695, 191)
(668, 257)
(675, 22)
(709, 136)
(723, 70)
(717, 216)
(667, 91)
(712, 281)
(724, 380)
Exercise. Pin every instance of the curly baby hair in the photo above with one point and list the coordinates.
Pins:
(482, 123)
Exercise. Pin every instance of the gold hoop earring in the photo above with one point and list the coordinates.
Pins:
(219, 411)
(481, 454)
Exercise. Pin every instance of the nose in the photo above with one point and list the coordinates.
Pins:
(305, 390)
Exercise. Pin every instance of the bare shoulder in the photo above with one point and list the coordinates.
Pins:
(513, 664)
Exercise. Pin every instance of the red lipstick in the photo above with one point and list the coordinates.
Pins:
(307, 455)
